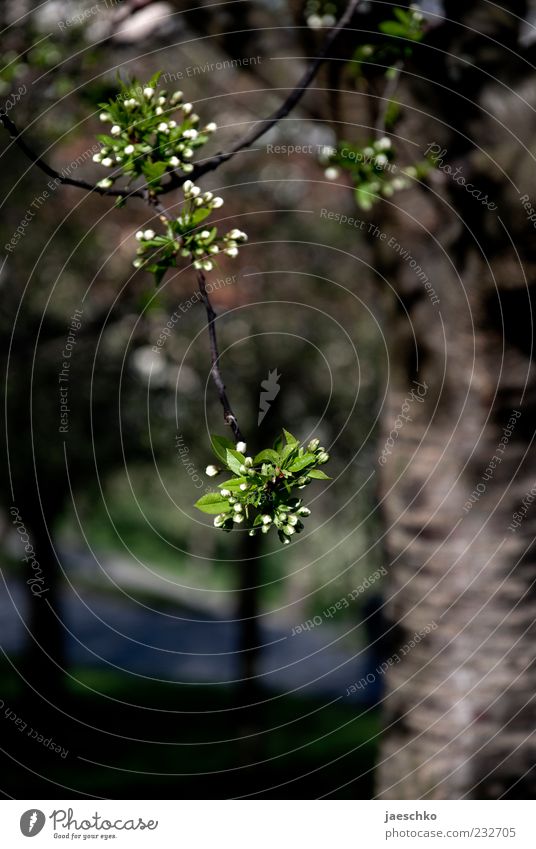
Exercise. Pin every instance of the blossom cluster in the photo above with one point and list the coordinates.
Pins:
(152, 134)
(261, 492)
(184, 238)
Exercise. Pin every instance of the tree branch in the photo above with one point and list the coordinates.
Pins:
(286, 107)
(228, 414)
(211, 164)
(37, 160)
(175, 182)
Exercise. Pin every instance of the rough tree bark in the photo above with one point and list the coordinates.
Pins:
(460, 706)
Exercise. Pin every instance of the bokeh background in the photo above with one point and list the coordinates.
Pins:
(171, 660)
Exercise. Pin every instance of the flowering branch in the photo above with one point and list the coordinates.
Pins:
(175, 181)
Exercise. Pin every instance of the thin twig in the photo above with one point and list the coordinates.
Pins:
(387, 96)
(37, 160)
(286, 107)
(228, 414)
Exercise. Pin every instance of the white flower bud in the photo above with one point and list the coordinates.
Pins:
(211, 471)
(163, 127)
(219, 520)
(204, 234)
(289, 530)
(105, 184)
(237, 508)
(267, 519)
(161, 100)
(188, 153)
(190, 134)
(137, 263)
(225, 492)
(116, 130)
(238, 517)
(265, 529)
(172, 123)
(104, 116)
(148, 92)
(187, 167)
(207, 265)
(248, 461)
(215, 203)
(186, 108)
(158, 110)
(231, 252)
(139, 235)
(381, 160)
(292, 519)
(174, 162)
(107, 162)
(304, 511)
(213, 249)
(323, 457)
(96, 157)
(241, 447)
(211, 128)
(331, 173)
(129, 149)
(243, 487)
(176, 96)
(149, 234)
(383, 144)
(208, 196)
(313, 445)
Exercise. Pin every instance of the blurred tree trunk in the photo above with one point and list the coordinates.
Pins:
(459, 711)
(44, 662)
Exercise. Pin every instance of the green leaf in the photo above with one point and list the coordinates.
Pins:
(267, 455)
(291, 440)
(318, 475)
(289, 452)
(234, 460)
(220, 446)
(200, 215)
(402, 16)
(394, 28)
(213, 502)
(232, 483)
(363, 197)
(302, 462)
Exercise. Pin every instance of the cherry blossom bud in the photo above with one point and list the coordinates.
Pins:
(149, 234)
(241, 447)
(211, 471)
(129, 149)
(148, 92)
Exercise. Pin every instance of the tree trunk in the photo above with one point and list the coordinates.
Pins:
(459, 709)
